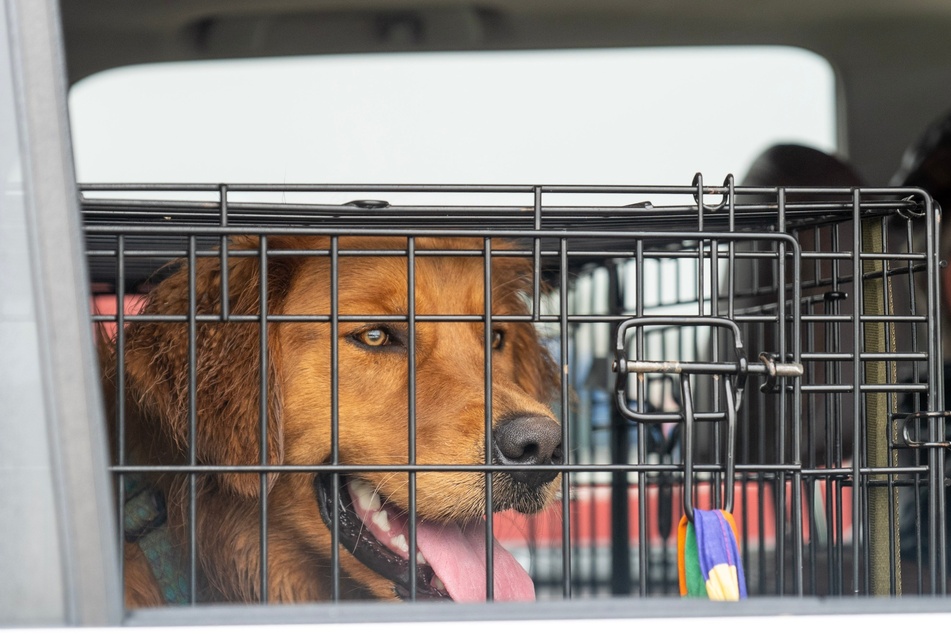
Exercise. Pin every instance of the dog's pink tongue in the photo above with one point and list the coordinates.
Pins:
(457, 556)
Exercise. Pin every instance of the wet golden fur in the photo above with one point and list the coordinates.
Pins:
(373, 405)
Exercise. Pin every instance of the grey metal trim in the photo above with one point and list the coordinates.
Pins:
(580, 609)
(68, 361)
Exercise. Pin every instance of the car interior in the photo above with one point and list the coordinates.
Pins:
(742, 296)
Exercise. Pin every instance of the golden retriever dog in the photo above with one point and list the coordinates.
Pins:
(371, 420)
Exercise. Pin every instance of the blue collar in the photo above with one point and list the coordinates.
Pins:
(145, 524)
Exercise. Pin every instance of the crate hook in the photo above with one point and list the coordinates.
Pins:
(698, 195)
(905, 421)
(729, 463)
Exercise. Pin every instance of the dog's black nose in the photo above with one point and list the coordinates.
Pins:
(529, 440)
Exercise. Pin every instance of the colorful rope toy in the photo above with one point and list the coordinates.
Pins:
(708, 557)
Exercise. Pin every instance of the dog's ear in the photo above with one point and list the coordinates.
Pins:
(226, 354)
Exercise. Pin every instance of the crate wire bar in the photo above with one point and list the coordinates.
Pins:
(835, 472)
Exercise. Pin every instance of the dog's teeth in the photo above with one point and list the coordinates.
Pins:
(366, 495)
(381, 520)
(374, 503)
(400, 543)
(420, 559)
(438, 584)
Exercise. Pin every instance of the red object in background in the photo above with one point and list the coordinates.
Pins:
(754, 510)
(106, 305)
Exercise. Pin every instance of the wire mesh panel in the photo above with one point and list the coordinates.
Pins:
(324, 393)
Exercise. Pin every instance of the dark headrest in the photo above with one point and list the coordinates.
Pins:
(927, 162)
(790, 165)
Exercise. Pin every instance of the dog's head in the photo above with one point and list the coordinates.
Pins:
(351, 379)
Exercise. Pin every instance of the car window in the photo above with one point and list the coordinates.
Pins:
(621, 116)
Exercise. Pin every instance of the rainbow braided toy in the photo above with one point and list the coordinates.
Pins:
(708, 557)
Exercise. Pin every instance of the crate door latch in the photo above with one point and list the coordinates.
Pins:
(734, 373)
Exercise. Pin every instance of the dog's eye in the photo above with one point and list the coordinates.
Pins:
(498, 338)
(373, 337)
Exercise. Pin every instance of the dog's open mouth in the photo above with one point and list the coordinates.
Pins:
(450, 558)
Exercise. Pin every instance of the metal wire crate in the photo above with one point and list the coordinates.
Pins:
(774, 351)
